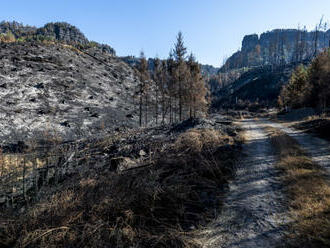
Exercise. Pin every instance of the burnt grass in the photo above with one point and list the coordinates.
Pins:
(173, 190)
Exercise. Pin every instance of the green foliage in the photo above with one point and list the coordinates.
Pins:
(319, 78)
(42, 38)
(21, 39)
(295, 93)
(179, 50)
(309, 87)
(10, 37)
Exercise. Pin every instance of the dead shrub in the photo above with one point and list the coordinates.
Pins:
(199, 140)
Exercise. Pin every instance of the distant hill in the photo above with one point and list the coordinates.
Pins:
(209, 70)
(264, 64)
(260, 85)
(59, 31)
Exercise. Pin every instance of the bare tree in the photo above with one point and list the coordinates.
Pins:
(144, 77)
(157, 78)
(316, 36)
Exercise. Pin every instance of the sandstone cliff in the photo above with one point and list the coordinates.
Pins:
(277, 47)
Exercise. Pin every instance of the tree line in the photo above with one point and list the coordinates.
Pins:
(309, 86)
(173, 90)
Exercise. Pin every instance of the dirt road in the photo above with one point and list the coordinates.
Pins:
(254, 212)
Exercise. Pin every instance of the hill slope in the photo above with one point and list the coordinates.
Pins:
(54, 87)
(257, 72)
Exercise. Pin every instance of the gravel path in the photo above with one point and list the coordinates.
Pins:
(253, 214)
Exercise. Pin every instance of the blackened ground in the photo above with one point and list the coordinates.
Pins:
(319, 127)
(176, 186)
(49, 87)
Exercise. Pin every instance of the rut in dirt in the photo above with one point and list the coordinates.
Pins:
(254, 212)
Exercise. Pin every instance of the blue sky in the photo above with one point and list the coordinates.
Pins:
(212, 29)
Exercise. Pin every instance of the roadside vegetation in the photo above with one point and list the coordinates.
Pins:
(158, 203)
(308, 193)
(308, 90)
(308, 86)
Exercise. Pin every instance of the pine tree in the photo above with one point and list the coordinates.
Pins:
(179, 53)
(319, 78)
(180, 50)
(309, 87)
(197, 89)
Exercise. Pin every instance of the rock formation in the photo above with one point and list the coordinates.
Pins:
(58, 31)
(277, 47)
(62, 31)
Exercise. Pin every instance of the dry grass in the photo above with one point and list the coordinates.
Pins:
(316, 117)
(154, 206)
(197, 140)
(18, 169)
(308, 193)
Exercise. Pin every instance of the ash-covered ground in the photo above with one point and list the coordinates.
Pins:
(56, 88)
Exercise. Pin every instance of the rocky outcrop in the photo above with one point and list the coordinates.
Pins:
(63, 31)
(250, 42)
(58, 31)
(277, 47)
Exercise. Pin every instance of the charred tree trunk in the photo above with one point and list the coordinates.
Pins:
(140, 107)
(156, 108)
(146, 112)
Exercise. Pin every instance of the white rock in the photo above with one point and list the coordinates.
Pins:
(142, 153)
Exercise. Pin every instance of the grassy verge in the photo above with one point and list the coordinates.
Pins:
(153, 206)
(308, 192)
